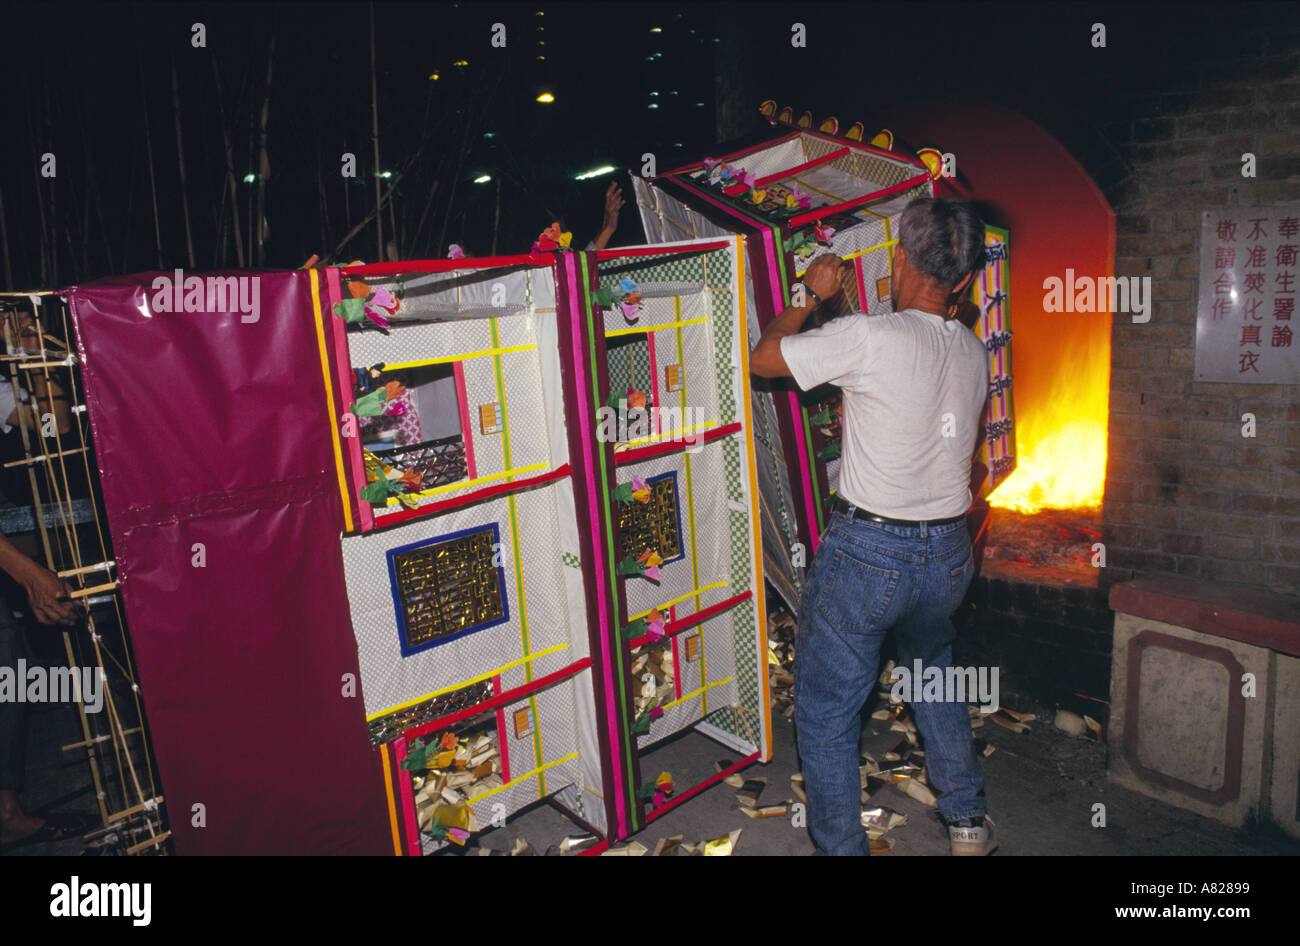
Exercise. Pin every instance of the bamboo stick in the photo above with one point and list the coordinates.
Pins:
(148, 147)
(153, 842)
(264, 164)
(92, 590)
(86, 569)
(42, 457)
(180, 163)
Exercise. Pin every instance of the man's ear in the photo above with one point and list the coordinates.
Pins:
(961, 287)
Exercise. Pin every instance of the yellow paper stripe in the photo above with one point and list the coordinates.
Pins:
(690, 594)
(693, 694)
(523, 778)
(388, 796)
(870, 249)
(329, 399)
(461, 484)
(442, 360)
(668, 435)
(636, 329)
(464, 683)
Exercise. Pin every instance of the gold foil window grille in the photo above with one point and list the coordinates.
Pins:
(388, 727)
(656, 524)
(447, 588)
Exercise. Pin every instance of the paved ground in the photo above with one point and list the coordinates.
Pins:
(1042, 786)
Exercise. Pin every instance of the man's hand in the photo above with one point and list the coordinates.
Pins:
(613, 204)
(825, 274)
(49, 596)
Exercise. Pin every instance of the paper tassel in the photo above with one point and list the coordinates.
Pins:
(371, 405)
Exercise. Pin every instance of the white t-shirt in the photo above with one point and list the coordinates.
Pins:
(909, 378)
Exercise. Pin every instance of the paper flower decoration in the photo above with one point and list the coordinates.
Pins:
(370, 405)
(797, 198)
(823, 233)
(552, 239)
(635, 400)
(650, 560)
(757, 196)
(640, 490)
(456, 251)
(358, 308)
(711, 163)
(747, 178)
(655, 624)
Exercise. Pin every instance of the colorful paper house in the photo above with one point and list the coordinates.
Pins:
(437, 503)
(803, 193)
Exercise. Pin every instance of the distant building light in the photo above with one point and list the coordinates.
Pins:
(434, 77)
(385, 174)
(546, 98)
(489, 134)
(653, 105)
(482, 178)
(699, 105)
(655, 29)
(249, 178)
(541, 58)
(597, 172)
(461, 62)
(654, 93)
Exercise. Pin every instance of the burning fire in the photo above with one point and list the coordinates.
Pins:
(1061, 437)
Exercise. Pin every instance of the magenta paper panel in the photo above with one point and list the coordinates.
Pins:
(212, 431)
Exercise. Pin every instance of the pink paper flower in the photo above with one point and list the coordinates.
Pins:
(456, 252)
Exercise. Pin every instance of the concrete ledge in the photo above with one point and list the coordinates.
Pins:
(1180, 728)
(1241, 614)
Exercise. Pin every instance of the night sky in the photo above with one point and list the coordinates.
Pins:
(81, 81)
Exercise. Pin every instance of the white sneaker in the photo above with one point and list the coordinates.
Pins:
(976, 841)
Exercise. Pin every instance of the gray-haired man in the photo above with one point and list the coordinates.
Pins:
(896, 554)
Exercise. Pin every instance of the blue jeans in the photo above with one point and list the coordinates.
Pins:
(865, 579)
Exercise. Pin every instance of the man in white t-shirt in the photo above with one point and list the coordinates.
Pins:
(896, 554)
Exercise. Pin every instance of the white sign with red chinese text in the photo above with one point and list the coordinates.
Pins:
(1249, 282)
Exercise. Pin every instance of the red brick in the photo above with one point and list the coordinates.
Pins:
(1285, 143)
(1222, 523)
(1126, 357)
(1255, 121)
(1284, 579)
(1132, 266)
(1245, 573)
(1231, 547)
(1224, 431)
(1229, 479)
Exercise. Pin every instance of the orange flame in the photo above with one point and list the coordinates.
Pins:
(1061, 438)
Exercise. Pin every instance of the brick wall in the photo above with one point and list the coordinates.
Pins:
(1186, 494)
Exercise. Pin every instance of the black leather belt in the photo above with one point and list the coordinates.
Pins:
(839, 505)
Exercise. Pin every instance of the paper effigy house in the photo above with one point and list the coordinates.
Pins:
(800, 193)
(415, 545)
